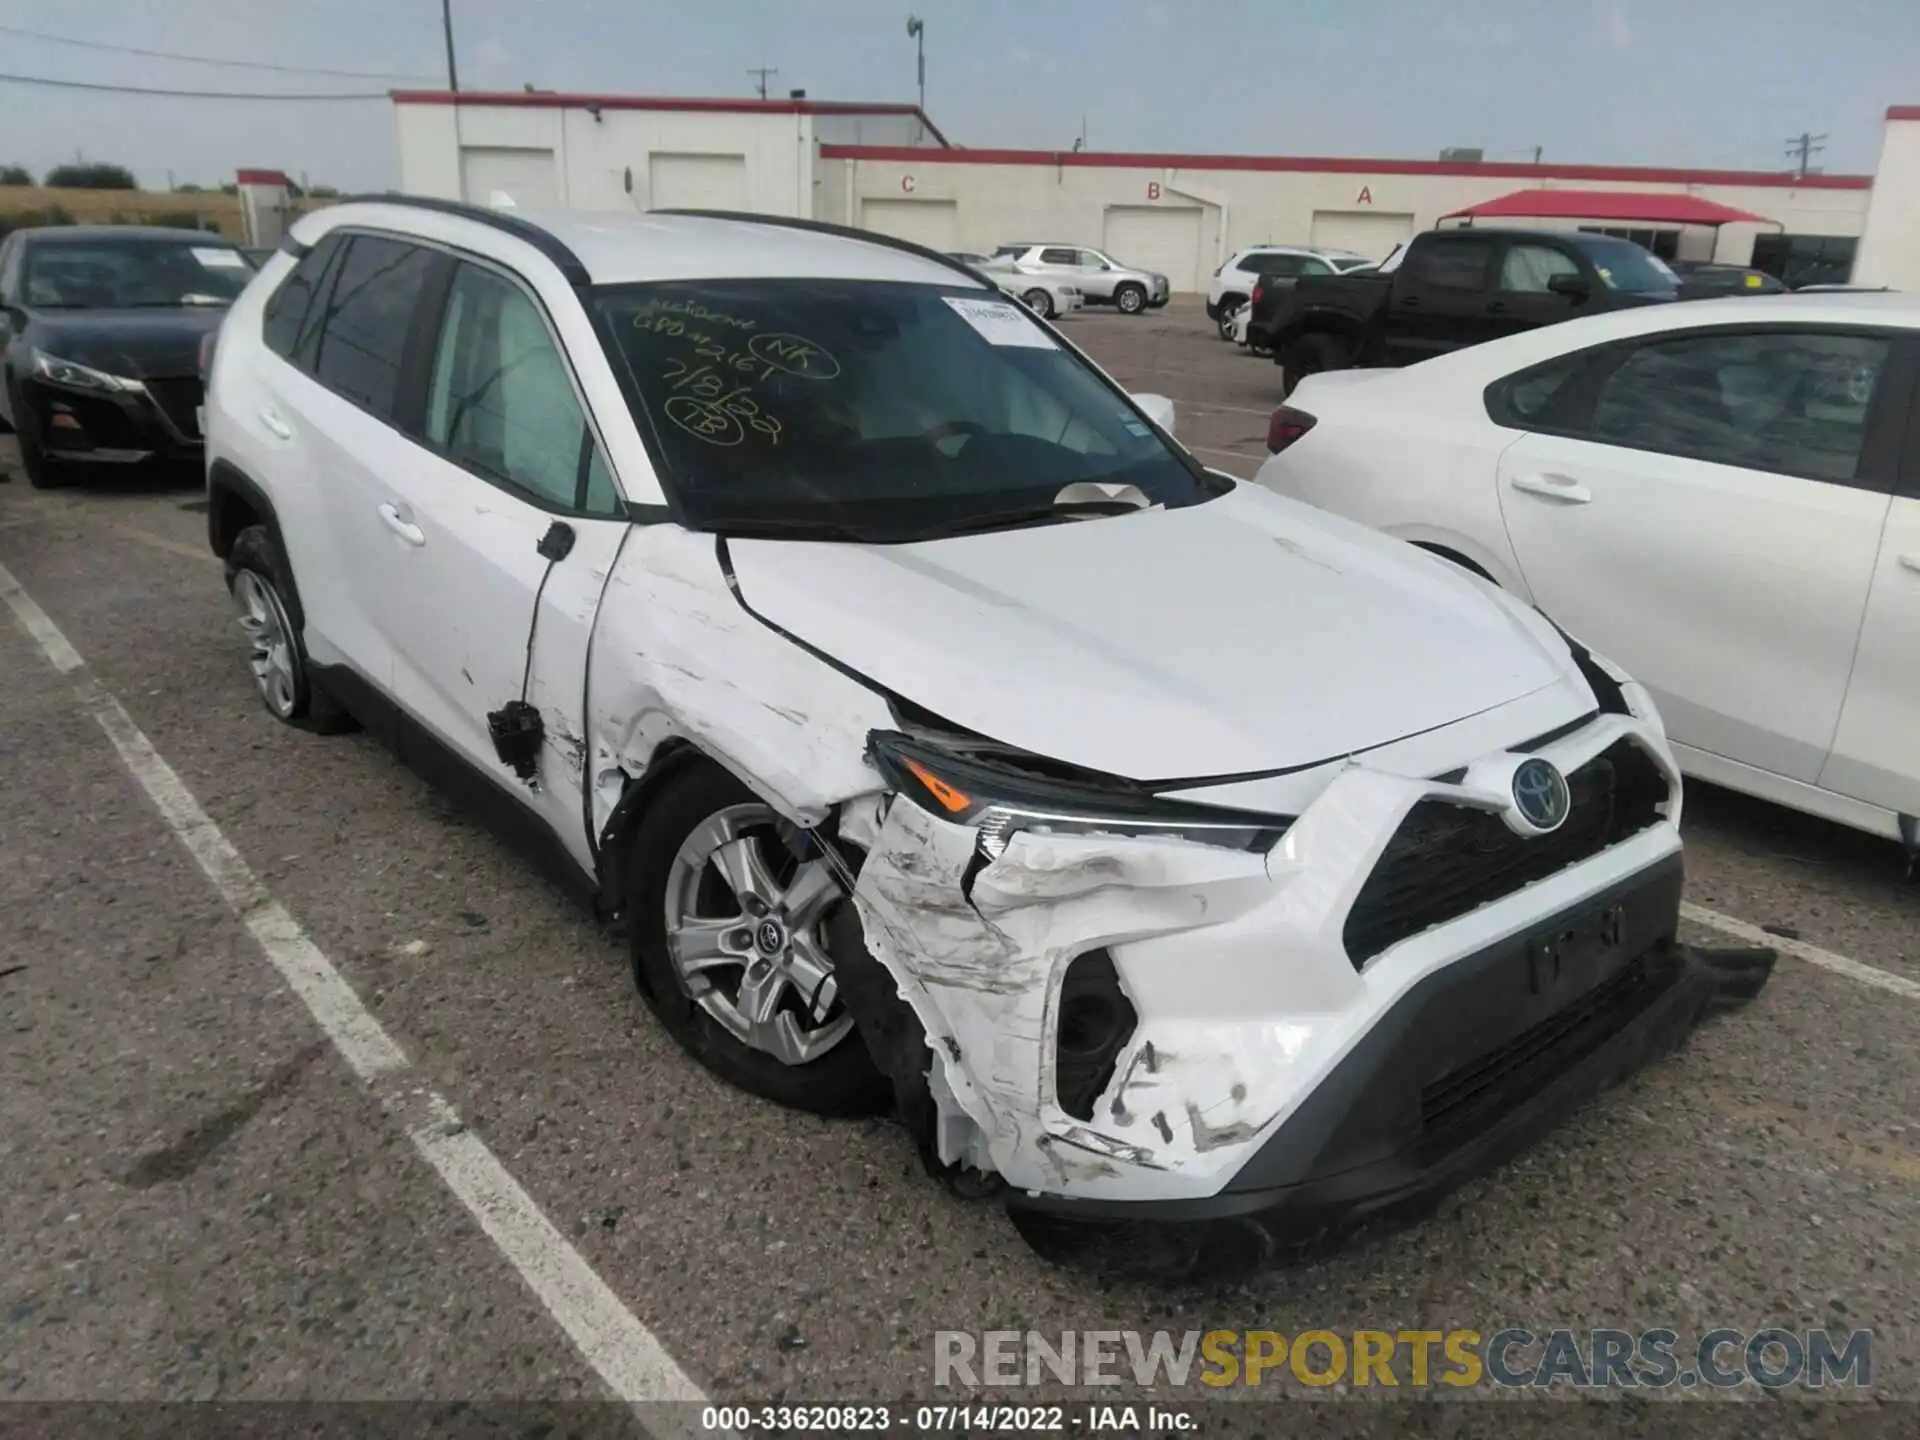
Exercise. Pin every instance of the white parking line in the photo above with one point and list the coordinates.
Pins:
(1801, 950)
(627, 1356)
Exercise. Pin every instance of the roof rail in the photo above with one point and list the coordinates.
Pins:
(845, 232)
(504, 221)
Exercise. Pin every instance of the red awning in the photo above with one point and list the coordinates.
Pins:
(1646, 207)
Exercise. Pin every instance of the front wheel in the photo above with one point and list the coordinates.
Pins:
(1131, 298)
(1040, 302)
(42, 470)
(729, 949)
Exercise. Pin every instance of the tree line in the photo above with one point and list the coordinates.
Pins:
(99, 175)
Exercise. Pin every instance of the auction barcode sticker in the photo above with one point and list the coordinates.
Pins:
(1002, 322)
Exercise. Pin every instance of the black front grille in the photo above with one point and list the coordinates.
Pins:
(178, 398)
(1447, 859)
(1513, 1070)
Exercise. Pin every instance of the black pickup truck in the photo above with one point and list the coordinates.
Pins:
(1450, 288)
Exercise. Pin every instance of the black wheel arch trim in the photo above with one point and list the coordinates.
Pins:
(226, 483)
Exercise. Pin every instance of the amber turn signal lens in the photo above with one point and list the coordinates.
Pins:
(952, 800)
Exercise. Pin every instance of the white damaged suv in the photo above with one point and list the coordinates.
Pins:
(1207, 877)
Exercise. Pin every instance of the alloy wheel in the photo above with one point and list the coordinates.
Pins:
(743, 929)
(269, 642)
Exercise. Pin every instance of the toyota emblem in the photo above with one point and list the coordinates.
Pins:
(769, 937)
(1540, 794)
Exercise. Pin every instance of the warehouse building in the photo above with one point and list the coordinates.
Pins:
(888, 168)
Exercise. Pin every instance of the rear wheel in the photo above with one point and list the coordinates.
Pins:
(1309, 355)
(257, 580)
(1131, 298)
(729, 948)
(1229, 308)
(1040, 302)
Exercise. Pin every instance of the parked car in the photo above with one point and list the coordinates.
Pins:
(1723, 496)
(1045, 295)
(1101, 279)
(1702, 281)
(968, 257)
(916, 701)
(1233, 282)
(102, 328)
(1450, 288)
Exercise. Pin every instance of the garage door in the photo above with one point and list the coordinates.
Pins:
(1157, 237)
(525, 176)
(1365, 232)
(697, 182)
(933, 223)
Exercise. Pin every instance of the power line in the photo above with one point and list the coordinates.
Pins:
(210, 60)
(187, 94)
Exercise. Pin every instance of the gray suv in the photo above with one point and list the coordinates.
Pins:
(1100, 279)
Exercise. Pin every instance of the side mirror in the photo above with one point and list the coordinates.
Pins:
(1158, 409)
(1576, 287)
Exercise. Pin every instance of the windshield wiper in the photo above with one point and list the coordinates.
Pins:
(1082, 500)
(764, 527)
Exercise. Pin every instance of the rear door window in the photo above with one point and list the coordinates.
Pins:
(287, 308)
(368, 315)
(1451, 264)
(1795, 401)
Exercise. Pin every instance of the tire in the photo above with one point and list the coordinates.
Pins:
(703, 819)
(1040, 302)
(258, 580)
(42, 470)
(1131, 298)
(1309, 355)
(1228, 309)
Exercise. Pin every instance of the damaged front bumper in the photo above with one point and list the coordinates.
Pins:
(1186, 1058)
(1427, 1101)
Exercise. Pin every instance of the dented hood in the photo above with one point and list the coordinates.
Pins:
(1249, 633)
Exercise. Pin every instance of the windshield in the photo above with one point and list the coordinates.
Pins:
(870, 410)
(132, 274)
(1627, 267)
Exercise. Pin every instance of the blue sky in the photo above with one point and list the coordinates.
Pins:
(1681, 82)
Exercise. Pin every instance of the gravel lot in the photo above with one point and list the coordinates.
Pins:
(202, 1199)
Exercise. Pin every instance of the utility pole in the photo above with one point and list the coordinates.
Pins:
(917, 28)
(446, 23)
(761, 75)
(1802, 148)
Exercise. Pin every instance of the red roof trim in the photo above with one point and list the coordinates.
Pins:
(1903, 112)
(260, 177)
(1656, 208)
(709, 104)
(1345, 165)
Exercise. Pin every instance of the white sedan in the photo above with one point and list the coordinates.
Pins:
(1722, 496)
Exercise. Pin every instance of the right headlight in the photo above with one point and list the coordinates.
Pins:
(1001, 802)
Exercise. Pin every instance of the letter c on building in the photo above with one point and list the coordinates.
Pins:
(906, 184)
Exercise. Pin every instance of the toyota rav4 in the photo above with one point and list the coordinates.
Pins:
(1204, 875)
